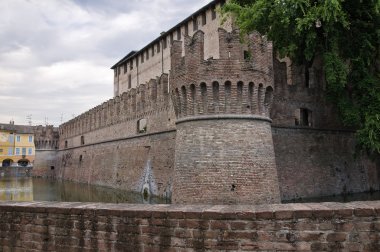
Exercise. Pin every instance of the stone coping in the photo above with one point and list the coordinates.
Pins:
(251, 212)
(224, 117)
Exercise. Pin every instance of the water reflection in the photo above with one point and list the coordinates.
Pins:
(38, 189)
(16, 189)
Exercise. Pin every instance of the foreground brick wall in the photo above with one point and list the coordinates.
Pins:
(62, 226)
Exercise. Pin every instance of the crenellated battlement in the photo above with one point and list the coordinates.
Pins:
(239, 82)
(137, 102)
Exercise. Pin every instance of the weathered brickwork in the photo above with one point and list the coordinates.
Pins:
(211, 169)
(202, 130)
(128, 163)
(327, 163)
(224, 149)
(123, 227)
(46, 140)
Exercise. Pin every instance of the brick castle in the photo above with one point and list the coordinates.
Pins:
(201, 117)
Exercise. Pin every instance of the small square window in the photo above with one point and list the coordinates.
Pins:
(195, 24)
(186, 29)
(179, 34)
(204, 18)
(129, 81)
(213, 13)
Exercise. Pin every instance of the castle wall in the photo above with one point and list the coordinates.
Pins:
(45, 163)
(154, 59)
(224, 149)
(126, 142)
(313, 163)
(218, 162)
(129, 163)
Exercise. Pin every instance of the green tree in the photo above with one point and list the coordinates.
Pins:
(345, 33)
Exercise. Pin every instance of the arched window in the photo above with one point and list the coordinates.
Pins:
(227, 96)
(268, 99)
(215, 94)
(260, 98)
(184, 100)
(204, 97)
(251, 87)
(192, 99)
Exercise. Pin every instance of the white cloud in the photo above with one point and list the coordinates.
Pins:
(55, 54)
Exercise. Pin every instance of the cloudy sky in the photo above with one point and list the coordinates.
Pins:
(55, 55)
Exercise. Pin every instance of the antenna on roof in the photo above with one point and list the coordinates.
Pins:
(29, 118)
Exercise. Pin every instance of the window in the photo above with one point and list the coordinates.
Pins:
(147, 54)
(164, 43)
(247, 55)
(142, 58)
(131, 64)
(158, 47)
(195, 24)
(129, 81)
(23, 151)
(11, 138)
(30, 138)
(65, 144)
(141, 125)
(186, 29)
(125, 67)
(10, 151)
(303, 117)
(213, 13)
(118, 70)
(18, 138)
(115, 70)
(152, 51)
(17, 151)
(30, 151)
(171, 38)
(179, 33)
(82, 140)
(1, 150)
(203, 18)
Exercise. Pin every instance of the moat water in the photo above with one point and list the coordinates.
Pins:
(23, 188)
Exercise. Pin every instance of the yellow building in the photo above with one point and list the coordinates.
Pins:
(16, 145)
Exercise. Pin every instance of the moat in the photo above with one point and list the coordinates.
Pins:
(23, 188)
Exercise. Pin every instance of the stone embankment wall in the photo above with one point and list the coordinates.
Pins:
(122, 227)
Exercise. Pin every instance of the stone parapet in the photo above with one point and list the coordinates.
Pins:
(49, 226)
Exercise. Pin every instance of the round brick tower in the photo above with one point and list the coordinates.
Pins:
(224, 148)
